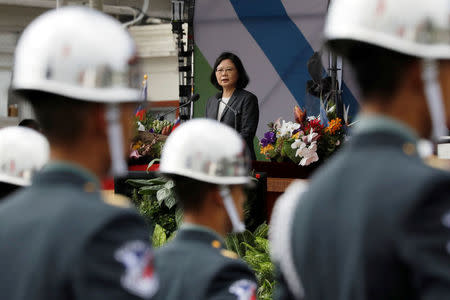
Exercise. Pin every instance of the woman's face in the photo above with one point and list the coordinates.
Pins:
(226, 74)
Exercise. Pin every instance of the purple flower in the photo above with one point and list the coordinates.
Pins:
(296, 130)
(269, 138)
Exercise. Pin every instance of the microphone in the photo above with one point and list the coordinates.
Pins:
(193, 98)
(236, 113)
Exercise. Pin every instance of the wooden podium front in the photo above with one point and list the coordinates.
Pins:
(279, 177)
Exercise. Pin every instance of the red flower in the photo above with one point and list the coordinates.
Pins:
(257, 176)
(315, 126)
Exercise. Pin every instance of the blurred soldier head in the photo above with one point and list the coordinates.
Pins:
(78, 68)
(23, 152)
(400, 51)
(208, 164)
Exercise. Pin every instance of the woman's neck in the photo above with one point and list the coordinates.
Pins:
(227, 93)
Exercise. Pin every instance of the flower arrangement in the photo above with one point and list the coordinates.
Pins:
(305, 141)
(150, 137)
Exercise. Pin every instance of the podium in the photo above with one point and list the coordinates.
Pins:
(279, 177)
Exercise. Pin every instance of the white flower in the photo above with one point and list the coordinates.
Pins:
(287, 128)
(296, 144)
(141, 127)
(311, 137)
(306, 161)
(301, 150)
(311, 118)
(307, 153)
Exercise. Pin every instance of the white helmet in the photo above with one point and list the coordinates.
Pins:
(82, 54)
(412, 27)
(23, 151)
(208, 151)
(79, 53)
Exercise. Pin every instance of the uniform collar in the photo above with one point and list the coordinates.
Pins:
(380, 131)
(63, 171)
(189, 231)
(378, 123)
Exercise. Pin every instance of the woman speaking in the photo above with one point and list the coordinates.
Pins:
(233, 105)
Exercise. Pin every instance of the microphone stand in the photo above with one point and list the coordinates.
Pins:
(193, 98)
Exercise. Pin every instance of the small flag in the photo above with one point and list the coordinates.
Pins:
(140, 110)
(176, 124)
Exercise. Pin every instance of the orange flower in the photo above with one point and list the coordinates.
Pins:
(334, 126)
(300, 115)
(266, 149)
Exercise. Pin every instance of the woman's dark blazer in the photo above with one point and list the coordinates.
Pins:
(246, 106)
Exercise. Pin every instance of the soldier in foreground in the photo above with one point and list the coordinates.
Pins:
(207, 162)
(59, 238)
(374, 223)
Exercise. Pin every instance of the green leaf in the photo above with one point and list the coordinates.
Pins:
(152, 163)
(170, 201)
(248, 237)
(159, 236)
(262, 231)
(146, 182)
(179, 216)
(162, 194)
(149, 190)
(169, 184)
(233, 244)
(262, 244)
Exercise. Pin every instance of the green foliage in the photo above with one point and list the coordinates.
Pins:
(152, 124)
(156, 202)
(289, 152)
(253, 248)
(159, 236)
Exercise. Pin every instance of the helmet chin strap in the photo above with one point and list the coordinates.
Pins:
(115, 139)
(225, 193)
(433, 94)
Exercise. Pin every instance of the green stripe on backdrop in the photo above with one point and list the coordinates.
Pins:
(202, 86)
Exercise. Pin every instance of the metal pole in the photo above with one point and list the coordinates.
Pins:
(96, 4)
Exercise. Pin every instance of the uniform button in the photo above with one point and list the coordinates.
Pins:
(215, 244)
(409, 149)
(90, 187)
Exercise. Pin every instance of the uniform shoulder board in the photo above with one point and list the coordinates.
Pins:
(229, 254)
(437, 163)
(113, 199)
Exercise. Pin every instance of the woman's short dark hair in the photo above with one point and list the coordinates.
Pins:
(378, 71)
(243, 79)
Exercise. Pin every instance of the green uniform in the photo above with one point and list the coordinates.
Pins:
(195, 266)
(374, 223)
(61, 240)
